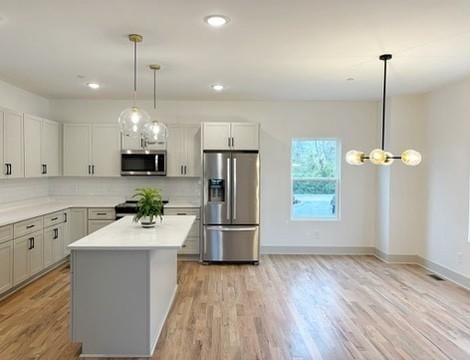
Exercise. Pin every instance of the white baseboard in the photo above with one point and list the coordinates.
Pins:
(317, 250)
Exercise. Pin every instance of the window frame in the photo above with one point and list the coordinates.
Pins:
(337, 179)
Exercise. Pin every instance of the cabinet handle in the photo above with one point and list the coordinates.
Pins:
(56, 234)
(30, 226)
(30, 245)
(93, 169)
(181, 214)
(65, 215)
(233, 141)
(54, 218)
(8, 165)
(229, 142)
(6, 169)
(185, 169)
(33, 243)
(184, 245)
(101, 213)
(89, 169)
(45, 168)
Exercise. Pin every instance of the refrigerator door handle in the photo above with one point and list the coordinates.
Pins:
(234, 188)
(228, 195)
(226, 228)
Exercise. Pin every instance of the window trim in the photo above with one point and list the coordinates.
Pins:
(338, 180)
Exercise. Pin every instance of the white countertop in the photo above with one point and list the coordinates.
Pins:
(19, 211)
(128, 235)
(23, 210)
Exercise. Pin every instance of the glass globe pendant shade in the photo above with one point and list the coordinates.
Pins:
(411, 157)
(354, 157)
(389, 159)
(132, 121)
(377, 157)
(155, 131)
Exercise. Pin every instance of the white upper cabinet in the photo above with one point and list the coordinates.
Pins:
(245, 136)
(41, 147)
(216, 136)
(184, 148)
(92, 150)
(13, 153)
(106, 150)
(50, 147)
(77, 150)
(32, 147)
(230, 136)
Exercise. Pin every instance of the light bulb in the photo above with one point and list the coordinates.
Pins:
(354, 157)
(377, 157)
(135, 116)
(411, 157)
(389, 159)
(155, 131)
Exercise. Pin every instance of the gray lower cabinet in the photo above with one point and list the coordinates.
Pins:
(6, 265)
(191, 245)
(28, 257)
(54, 244)
(94, 225)
(78, 226)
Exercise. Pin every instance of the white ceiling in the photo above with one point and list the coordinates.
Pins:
(271, 49)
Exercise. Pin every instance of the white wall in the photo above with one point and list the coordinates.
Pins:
(17, 99)
(448, 171)
(354, 123)
(401, 198)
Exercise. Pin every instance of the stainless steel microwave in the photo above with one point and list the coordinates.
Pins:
(143, 163)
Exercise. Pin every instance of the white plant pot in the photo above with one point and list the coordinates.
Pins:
(148, 221)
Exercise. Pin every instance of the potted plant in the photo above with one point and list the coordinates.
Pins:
(149, 206)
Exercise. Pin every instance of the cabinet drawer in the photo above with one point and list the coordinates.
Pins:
(28, 226)
(6, 233)
(101, 214)
(54, 218)
(182, 211)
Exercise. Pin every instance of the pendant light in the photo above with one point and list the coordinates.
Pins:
(133, 119)
(380, 156)
(155, 131)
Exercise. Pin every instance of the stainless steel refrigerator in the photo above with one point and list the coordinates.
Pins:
(231, 206)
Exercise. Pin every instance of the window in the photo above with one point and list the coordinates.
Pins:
(315, 179)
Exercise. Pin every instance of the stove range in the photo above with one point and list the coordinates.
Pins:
(128, 208)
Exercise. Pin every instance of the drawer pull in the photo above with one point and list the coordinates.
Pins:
(184, 245)
(54, 218)
(101, 213)
(30, 226)
(181, 214)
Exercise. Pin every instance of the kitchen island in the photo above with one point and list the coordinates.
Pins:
(123, 285)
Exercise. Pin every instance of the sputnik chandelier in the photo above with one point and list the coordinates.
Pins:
(381, 156)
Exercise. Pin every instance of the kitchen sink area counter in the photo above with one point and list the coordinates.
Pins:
(123, 284)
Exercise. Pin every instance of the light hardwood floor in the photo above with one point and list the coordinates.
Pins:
(289, 307)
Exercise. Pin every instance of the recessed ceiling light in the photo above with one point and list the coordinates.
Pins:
(93, 85)
(217, 87)
(216, 20)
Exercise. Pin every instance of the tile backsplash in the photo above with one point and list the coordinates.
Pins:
(22, 189)
(174, 189)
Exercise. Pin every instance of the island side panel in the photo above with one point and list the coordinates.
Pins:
(110, 296)
(163, 286)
